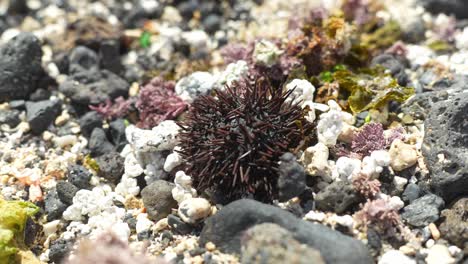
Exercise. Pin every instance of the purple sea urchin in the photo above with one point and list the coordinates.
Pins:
(232, 142)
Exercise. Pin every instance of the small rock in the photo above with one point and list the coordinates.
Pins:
(40, 95)
(291, 181)
(454, 225)
(58, 250)
(194, 210)
(92, 86)
(194, 85)
(109, 53)
(337, 197)
(423, 211)
(396, 68)
(66, 191)
(411, 193)
(10, 117)
(226, 228)
(394, 256)
(53, 206)
(89, 121)
(20, 67)
(402, 155)
(270, 243)
(79, 176)
(212, 23)
(81, 59)
(41, 114)
(179, 226)
(157, 198)
(98, 143)
(439, 254)
(434, 231)
(111, 166)
(117, 132)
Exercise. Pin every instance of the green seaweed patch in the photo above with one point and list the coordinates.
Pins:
(382, 37)
(13, 217)
(370, 88)
(440, 46)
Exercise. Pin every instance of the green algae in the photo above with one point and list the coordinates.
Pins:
(13, 216)
(370, 89)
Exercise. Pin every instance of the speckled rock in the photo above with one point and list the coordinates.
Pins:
(225, 230)
(337, 197)
(111, 166)
(445, 146)
(291, 181)
(454, 226)
(79, 176)
(66, 191)
(20, 67)
(157, 198)
(270, 243)
(423, 211)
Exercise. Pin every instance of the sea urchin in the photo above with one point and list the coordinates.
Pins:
(232, 141)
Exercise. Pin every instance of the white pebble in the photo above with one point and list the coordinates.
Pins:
(194, 210)
(395, 256)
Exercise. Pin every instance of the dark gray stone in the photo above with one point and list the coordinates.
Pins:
(98, 143)
(66, 191)
(396, 68)
(445, 146)
(53, 206)
(117, 131)
(41, 114)
(459, 8)
(270, 243)
(178, 226)
(40, 95)
(18, 104)
(90, 121)
(79, 176)
(83, 59)
(10, 117)
(212, 23)
(157, 198)
(58, 250)
(20, 67)
(93, 87)
(291, 181)
(111, 166)
(109, 54)
(226, 228)
(411, 193)
(423, 211)
(337, 197)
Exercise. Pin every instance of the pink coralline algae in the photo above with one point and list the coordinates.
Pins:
(380, 215)
(119, 108)
(369, 139)
(366, 186)
(157, 102)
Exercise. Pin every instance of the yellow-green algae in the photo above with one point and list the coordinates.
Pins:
(13, 216)
(370, 88)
